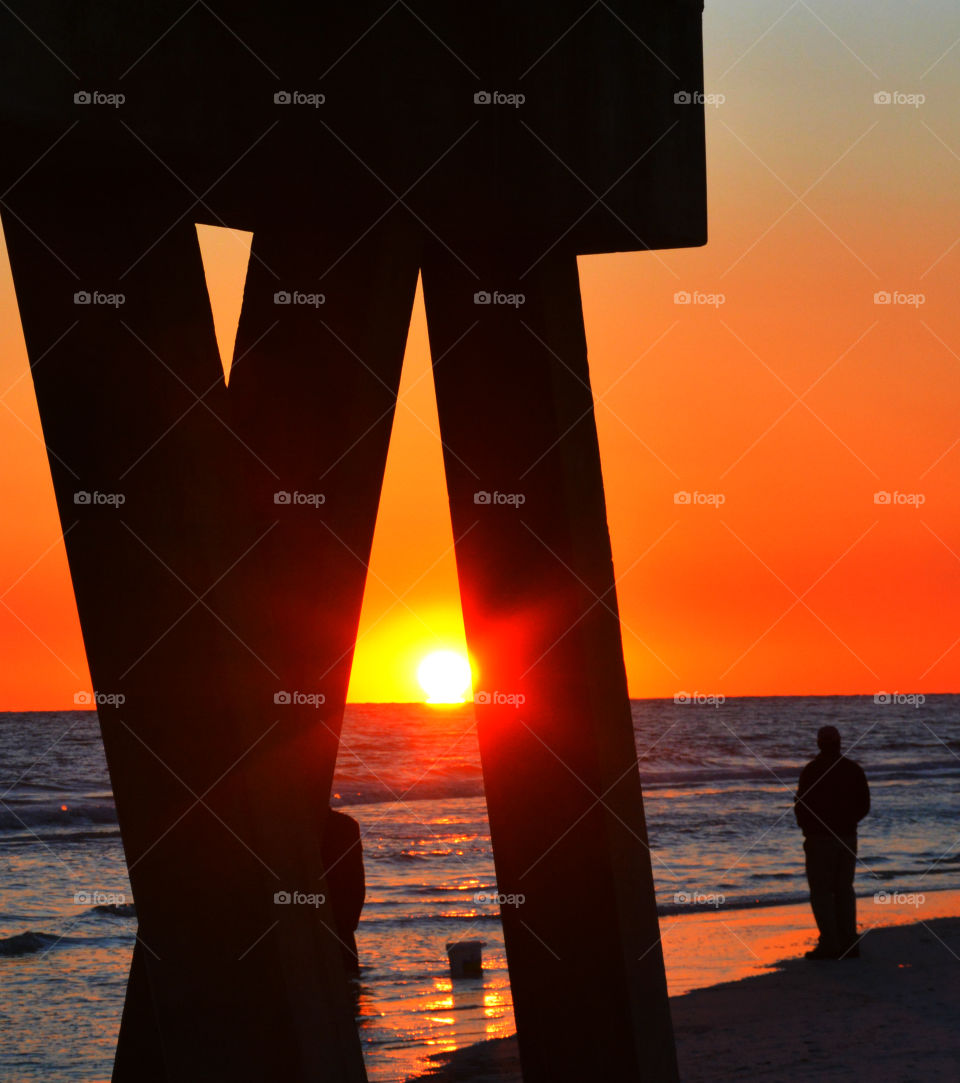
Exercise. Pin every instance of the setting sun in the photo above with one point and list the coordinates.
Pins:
(444, 676)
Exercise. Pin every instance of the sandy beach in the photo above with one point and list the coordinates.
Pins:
(893, 1015)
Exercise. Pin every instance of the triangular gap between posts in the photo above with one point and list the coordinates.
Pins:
(412, 555)
(226, 257)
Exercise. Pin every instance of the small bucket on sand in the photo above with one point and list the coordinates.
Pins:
(466, 958)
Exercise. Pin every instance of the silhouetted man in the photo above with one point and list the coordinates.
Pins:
(832, 798)
(342, 852)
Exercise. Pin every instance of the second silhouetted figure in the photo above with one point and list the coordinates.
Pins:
(832, 798)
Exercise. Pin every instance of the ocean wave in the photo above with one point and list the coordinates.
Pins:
(403, 857)
(429, 890)
(402, 793)
(18, 815)
(404, 922)
(771, 772)
(731, 902)
(28, 943)
(690, 775)
(693, 773)
(10, 840)
(120, 910)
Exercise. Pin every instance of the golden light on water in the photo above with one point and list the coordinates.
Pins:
(445, 677)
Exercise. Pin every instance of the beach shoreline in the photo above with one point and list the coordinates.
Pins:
(889, 1015)
(727, 855)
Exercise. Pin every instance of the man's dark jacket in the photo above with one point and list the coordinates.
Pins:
(832, 797)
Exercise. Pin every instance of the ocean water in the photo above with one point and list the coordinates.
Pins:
(718, 783)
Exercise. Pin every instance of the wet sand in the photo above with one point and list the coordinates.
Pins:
(893, 1015)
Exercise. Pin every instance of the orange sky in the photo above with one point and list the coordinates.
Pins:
(797, 399)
